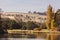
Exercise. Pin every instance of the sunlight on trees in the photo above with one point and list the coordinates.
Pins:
(50, 18)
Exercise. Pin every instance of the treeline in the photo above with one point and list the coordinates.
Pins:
(12, 24)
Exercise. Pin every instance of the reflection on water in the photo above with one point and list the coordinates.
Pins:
(20, 36)
(36, 36)
(17, 36)
(19, 39)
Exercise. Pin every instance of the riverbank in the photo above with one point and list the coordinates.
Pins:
(18, 31)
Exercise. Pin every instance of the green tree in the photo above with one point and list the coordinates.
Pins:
(31, 25)
(28, 25)
(57, 18)
(11, 23)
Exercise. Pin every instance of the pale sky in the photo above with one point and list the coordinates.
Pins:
(28, 5)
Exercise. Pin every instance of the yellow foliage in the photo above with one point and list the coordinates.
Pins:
(50, 18)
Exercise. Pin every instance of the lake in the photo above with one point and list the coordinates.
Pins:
(35, 36)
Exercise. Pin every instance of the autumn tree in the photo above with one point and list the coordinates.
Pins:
(50, 18)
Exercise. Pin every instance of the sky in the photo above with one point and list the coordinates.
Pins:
(28, 5)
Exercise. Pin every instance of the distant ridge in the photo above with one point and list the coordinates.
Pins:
(44, 13)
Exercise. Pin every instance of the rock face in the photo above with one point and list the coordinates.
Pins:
(40, 18)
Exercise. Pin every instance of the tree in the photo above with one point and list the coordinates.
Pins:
(1, 28)
(28, 25)
(29, 12)
(31, 25)
(34, 12)
(11, 23)
(57, 19)
(50, 18)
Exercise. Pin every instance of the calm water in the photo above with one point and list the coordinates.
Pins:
(36, 36)
(22, 37)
